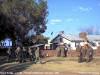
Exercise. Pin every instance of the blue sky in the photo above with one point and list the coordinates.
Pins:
(72, 15)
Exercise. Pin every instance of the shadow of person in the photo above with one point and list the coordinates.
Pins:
(14, 67)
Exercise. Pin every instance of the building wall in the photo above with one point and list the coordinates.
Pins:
(73, 47)
(72, 44)
(66, 41)
(56, 40)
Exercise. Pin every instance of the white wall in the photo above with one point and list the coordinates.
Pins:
(66, 41)
(72, 44)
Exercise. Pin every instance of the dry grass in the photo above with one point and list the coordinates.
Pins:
(65, 65)
(69, 65)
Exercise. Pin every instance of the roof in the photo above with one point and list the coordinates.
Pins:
(72, 37)
(77, 38)
(68, 37)
(94, 37)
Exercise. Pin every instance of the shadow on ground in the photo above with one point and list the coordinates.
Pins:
(12, 66)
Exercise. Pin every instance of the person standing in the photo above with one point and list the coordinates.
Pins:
(89, 54)
(24, 54)
(37, 54)
(66, 50)
(83, 52)
(30, 54)
(9, 54)
(17, 53)
(60, 49)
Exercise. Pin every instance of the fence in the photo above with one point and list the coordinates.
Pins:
(71, 53)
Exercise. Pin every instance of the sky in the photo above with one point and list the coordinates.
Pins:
(71, 16)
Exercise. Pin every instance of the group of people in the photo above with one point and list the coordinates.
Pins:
(63, 49)
(85, 51)
(22, 54)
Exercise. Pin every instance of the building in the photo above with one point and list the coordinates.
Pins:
(47, 46)
(95, 39)
(74, 40)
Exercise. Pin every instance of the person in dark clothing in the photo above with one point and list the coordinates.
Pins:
(24, 54)
(86, 53)
(19, 52)
(31, 52)
(89, 54)
(82, 54)
(9, 54)
(21, 56)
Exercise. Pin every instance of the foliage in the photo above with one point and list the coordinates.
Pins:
(24, 15)
(6, 27)
(39, 39)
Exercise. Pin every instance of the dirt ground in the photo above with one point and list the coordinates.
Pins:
(52, 66)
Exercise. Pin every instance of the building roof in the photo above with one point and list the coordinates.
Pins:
(72, 37)
(77, 38)
(94, 37)
(68, 37)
